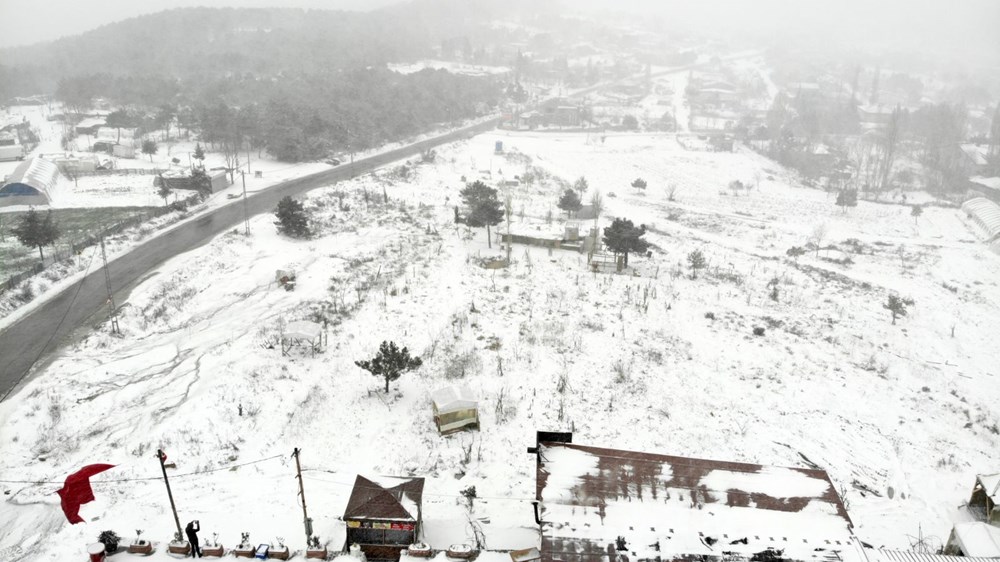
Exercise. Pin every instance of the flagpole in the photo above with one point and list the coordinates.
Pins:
(161, 457)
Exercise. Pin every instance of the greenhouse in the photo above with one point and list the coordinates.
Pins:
(985, 215)
(455, 409)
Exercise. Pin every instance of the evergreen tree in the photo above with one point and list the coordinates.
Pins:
(35, 231)
(897, 306)
(581, 185)
(569, 202)
(696, 260)
(485, 208)
(149, 147)
(199, 154)
(292, 220)
(390, 362)
(639, 183)
(164, 190)
(623, 237)
(847, 198)
(915, 212)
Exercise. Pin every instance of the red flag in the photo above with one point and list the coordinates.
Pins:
(76, 491)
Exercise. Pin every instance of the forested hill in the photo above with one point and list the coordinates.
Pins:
(198, 42)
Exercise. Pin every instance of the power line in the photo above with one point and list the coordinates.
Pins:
(147, 479)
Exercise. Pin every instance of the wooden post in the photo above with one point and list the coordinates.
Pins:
(307, 523)
(246, 213)
(161, 456)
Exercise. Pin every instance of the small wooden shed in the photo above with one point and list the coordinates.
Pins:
(455, 409)
(383, 515)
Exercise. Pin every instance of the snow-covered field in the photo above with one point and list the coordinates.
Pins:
(625, 361)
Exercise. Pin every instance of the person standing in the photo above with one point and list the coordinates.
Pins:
(192, 534)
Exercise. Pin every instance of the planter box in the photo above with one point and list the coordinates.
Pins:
(278, 553)
(244, 551)
(318, 553)
(216, 551)
(179, 547)
(461, 551)
(141, 547)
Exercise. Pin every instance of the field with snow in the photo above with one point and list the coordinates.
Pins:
(654, 359)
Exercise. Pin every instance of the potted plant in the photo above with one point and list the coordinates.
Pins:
(213, 548)
(419, 550)
(463, 551)
(110, 540)
(179, 546)
(140, 545)
(316, 550)
(245, 549)
(279, 552)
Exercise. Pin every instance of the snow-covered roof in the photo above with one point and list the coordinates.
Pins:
(991, 183)
(978, 539)
(303, 329)
(985, 213)
(453, 399)
(976, 153)
(991, 483)
(385, 498)
(33, 177)
(666, 506)
(91, 122)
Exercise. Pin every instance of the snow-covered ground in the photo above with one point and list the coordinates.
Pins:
(626, 361)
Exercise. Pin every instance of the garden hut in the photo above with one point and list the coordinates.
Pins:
(383, 515)
(974, 539)
(455, 408)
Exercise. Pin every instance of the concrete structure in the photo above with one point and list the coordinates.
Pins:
(34, 182)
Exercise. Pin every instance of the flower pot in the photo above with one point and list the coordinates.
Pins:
(278, 552)
(318, 553)
(419, 550)
(179, 547)
(215, 550)
(143, 547)
(244, 551)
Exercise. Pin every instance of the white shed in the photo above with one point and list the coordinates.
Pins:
(455, 408)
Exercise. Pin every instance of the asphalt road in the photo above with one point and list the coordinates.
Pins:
(26, 343)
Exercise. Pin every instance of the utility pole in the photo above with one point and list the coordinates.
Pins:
(111, 294)
(161, 456)
(246, 213)
(302, 492)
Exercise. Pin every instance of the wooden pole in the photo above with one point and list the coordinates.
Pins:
(246, 213)
(307, 523)
(162, 457)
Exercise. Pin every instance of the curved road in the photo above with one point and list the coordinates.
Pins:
(25, 342)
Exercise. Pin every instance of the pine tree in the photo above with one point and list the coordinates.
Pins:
(639, 183)
(897, 306)
(696, 260)
(199, 154)
(164, 190)
(34, 231)
(915, 212)
(485, 208)
(623, 237)
(390, 362)
(569, 202)
(292, 220)
(581, 185)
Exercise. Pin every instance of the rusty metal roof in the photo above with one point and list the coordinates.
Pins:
(389, 499)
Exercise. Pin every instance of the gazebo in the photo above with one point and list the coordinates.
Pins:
(302, 332)
(455, 408)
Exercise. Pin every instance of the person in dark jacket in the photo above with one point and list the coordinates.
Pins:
(192, 534)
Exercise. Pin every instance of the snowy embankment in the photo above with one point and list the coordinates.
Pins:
(661, 362)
